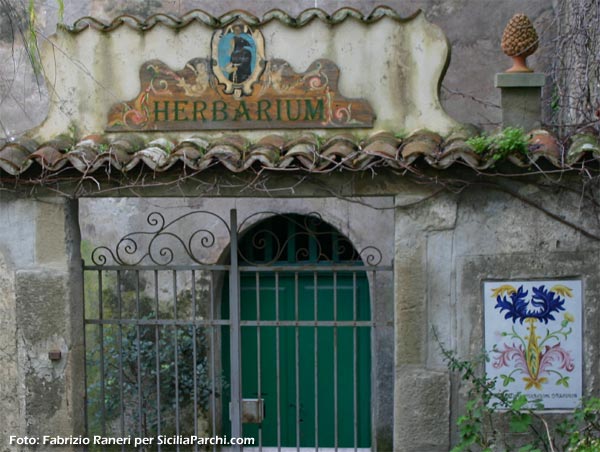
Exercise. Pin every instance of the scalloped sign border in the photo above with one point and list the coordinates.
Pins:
(198, 15)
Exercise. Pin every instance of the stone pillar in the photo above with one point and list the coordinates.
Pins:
(521, 94)
(41, 306)
(422, 382)
(10, 390)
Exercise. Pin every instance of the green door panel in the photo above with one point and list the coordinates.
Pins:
(306, 368)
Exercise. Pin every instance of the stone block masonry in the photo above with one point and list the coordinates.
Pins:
(40, 312)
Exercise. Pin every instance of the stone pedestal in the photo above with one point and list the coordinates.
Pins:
(521, 95)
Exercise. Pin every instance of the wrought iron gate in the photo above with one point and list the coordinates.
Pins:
(274, 342)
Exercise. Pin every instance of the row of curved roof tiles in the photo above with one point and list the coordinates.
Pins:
(305, 152)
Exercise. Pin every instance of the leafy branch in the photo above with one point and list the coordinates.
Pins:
(486, 405)
(477, 425)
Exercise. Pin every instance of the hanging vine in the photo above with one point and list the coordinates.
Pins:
(575, 73)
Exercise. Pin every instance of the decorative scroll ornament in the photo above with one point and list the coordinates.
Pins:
(201, 236)
(321, 244)
(238, 58)
(169, 242)
(192, 99)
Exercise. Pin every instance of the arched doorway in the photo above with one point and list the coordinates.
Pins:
(305, 320)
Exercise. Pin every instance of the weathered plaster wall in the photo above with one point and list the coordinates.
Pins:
(399, 77)
(445, 248)
(473, 29)
(40, 310)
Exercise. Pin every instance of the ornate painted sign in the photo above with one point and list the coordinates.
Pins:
(238, 89)
(533, 335)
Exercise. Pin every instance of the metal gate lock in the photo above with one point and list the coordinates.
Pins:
(253, 411)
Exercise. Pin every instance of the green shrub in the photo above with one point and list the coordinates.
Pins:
(487, 408)
(147, 392)
(511, 140)
(480, 144)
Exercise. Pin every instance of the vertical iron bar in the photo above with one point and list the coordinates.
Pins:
(258, 357)
(120, 339)
(313, 242)
(355, 363)
(268, 240)
(213, 377)
(335, 364)
(139, 352)
(85, 357)
(101, 339)
(335, 250)
(194, 358)
(235, 412)
(373, 404)
(316, 340)
(292, 243)
(157, 345)
(176, 352)
(277, 361)
(297, 358)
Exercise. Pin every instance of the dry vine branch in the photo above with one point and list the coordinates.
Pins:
(576, 67)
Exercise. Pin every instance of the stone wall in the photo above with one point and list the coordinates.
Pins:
(40, 311)
(445, 249)
(444, 246)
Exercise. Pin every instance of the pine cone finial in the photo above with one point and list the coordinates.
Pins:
(519, 41)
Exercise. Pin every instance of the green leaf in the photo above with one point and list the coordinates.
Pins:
(518, 402)
(528, 448)
(520, 423)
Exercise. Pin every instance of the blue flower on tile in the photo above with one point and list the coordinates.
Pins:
(544, 303)
(516, 307)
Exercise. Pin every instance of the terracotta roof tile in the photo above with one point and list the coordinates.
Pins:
(583, 144)
(304, 153)
(49, 157)
(542, 143)
(421, 143)
(459, 151)
(14, 156)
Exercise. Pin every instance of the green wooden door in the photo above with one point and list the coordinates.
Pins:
(313, 376)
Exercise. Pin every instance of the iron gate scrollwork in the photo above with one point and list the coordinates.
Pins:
(144, 247)
(306, 226)
(164, 354)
